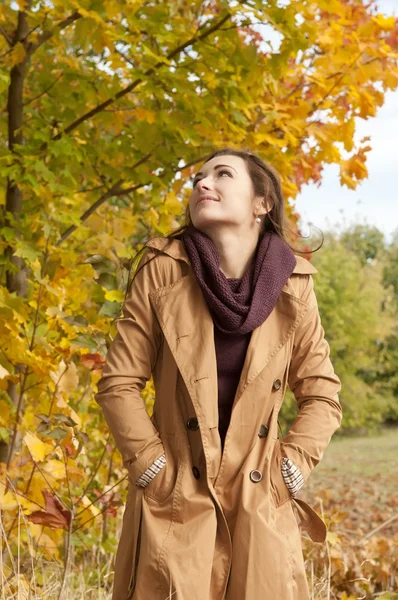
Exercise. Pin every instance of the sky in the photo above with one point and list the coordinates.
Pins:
(375, 200)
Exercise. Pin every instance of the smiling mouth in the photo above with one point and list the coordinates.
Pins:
(207, 200)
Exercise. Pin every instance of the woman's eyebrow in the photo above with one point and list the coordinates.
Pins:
(216, 167)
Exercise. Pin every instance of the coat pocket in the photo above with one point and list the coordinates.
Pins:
(161, 488)
(279, 490)
(309, 520)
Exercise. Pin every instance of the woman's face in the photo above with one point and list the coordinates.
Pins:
(227, 181)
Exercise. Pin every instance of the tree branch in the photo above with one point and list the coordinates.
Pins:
(303, 83)
(5, 36)
(116, 191)
(49, 34)
(111, 192)
(335, 84)
(94, 473)
(44, 91)
(134, 84)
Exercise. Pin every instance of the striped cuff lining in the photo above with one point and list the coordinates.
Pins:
(292, 475)
(151, 471)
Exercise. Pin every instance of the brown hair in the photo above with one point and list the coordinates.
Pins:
(266, 182)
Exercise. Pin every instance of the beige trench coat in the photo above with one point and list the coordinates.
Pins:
(202, 529)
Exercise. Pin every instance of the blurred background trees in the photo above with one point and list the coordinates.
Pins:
(356, 289)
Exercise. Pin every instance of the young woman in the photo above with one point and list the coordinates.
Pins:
(224, 316)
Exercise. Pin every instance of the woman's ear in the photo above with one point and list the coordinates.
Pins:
(262, 207)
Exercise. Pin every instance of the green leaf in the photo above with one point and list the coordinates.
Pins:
(64, 419)
(57, 433)
(110, 309)
(27, 252)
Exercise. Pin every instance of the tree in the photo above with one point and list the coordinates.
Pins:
(359, 317)
(365, 241)
(110, 105)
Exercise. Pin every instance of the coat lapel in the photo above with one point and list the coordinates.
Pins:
(270, 337)
(188, 328)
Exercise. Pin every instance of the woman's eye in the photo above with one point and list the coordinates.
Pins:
(195, 181)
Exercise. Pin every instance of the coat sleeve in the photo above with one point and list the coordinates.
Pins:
(129, 364)
(316, 388)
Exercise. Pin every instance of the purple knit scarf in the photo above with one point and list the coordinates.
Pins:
(240, 305)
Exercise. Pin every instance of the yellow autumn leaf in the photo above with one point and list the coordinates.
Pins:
(11, 501)
(96, 223)
(35, 488)
(43, 544)
(65, 377)
(157, 57)
(332, 6)
(289, 188)
(171, 206)
(111, 8)
(270, 139)
(37, 448)
(143, 114)
(91, 14)
(348, 181)
(8, 500)
(114, 295)
(86, 516)
(385, 23)
(75, 416)
(56, 468)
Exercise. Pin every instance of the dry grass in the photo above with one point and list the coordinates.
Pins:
(354, 488)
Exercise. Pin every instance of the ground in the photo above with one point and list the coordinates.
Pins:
(355, 488)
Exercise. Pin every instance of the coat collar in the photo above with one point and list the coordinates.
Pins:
(188, 325)
(176, 249)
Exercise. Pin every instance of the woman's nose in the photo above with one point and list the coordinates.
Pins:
(202, 184)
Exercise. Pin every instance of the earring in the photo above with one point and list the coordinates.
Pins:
(258, 220)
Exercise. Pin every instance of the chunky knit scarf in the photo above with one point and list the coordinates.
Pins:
(240, 305)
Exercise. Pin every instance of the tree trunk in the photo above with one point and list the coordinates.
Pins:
(16, 276)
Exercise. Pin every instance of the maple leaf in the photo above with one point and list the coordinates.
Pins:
(55, 515)
(92, 361)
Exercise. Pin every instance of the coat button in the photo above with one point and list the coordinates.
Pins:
(277, 384)
(193, 424)
(196, 472)
(263, 431)
(256, 475)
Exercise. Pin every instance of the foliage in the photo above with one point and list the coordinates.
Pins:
(110, 105)
(359, 316)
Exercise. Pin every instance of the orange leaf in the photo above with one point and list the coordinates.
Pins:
(92, 361)
(54, 516)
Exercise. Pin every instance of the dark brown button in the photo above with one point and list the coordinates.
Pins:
(263, 431)
(193, 424)
(196, 472)
(277, 384)
(256, 475)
